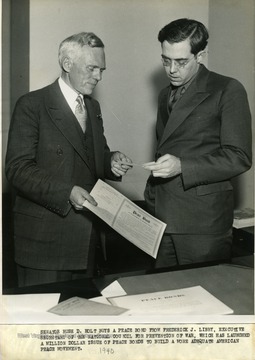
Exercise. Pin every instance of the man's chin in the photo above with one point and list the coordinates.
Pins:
(175, 82)
(88, 91)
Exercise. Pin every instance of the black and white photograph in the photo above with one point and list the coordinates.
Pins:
(127, 180)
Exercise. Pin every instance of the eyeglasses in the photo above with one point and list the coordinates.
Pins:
(178, 63)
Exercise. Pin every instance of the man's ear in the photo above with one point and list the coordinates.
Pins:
(67, 64)
(200, 56)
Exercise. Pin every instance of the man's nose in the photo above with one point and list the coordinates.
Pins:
(173, 67)
(97, 74)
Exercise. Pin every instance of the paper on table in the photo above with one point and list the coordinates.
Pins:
(128, 219)
(243, 218)
(190, 301)
(32, 302)
(114, 289)
(80, 306)
(101, 300)
(26, 307)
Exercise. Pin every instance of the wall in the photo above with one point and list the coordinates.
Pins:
(231, 52)
(5, 91)
(129, 89)
(134, 76)
(15, 64)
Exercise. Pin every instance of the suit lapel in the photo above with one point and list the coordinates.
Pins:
(64, 119)
(193, 96)
(97, 134)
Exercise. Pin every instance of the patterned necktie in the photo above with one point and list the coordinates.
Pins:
(81, 113)
(176, 93)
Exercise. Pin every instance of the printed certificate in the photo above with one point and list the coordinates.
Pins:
(125, 217)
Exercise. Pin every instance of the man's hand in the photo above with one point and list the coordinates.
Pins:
(117, 167)
(78, 196)
(166, 166)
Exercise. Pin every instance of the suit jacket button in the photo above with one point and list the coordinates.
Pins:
(59, 151)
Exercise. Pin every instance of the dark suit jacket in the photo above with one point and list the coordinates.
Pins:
(209, 129)
(45, 158)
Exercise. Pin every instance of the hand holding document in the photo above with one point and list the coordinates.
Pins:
(125, 217)
(120, 163)
(166, 166)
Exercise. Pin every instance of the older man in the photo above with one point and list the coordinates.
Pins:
(56, 152)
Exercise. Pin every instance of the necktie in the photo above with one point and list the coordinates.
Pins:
(176, 93)
(81, 113)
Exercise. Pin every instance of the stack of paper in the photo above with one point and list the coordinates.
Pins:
(243, 218)
(190, 301)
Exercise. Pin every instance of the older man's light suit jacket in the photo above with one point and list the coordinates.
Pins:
(209, 129)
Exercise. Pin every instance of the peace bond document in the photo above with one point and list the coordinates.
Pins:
(125, 217)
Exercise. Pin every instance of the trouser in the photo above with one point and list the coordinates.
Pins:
(182, 249)
(31, 276)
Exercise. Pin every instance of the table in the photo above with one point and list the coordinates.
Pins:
(230, 283)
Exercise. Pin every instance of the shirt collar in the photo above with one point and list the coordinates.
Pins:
(185, 86)
(69, 94)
